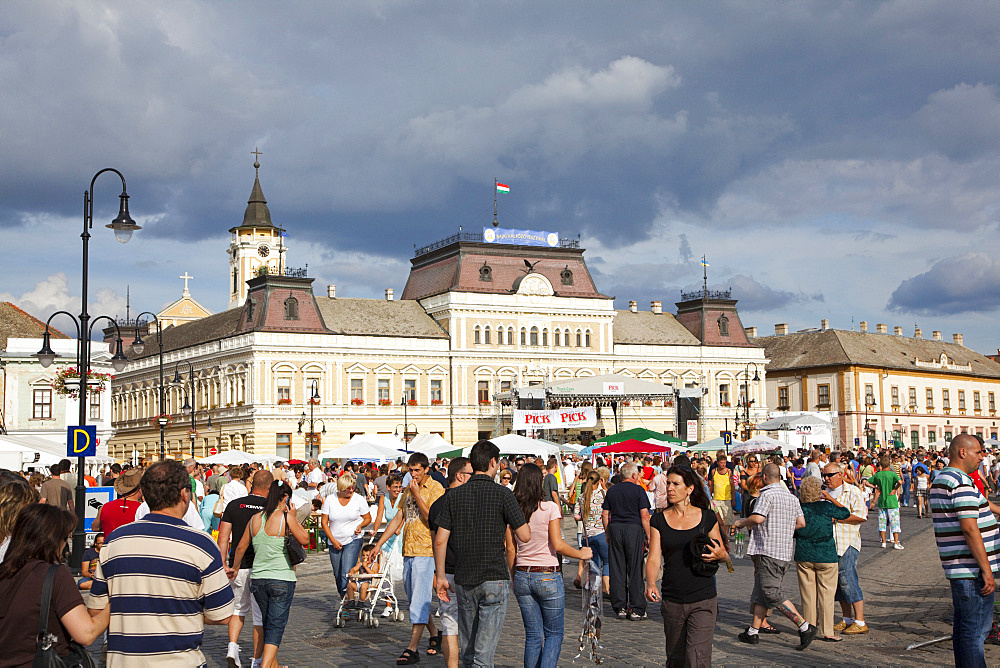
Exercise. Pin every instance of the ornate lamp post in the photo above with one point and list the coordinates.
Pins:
(747, 401)
(406, 424)
(311, 436)
(123, 227)
(138, 346)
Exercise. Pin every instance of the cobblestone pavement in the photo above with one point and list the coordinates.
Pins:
(907, 600)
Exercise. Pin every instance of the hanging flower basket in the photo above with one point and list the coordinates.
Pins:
(436, 402)
(284, 401)
(67, 381)
(412, 402)
(314, 402)
(385, 402)
(155, 420)
(357, 402)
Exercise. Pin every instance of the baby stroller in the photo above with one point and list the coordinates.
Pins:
(379, 587)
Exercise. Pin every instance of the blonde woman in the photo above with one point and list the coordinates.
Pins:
(345, 515)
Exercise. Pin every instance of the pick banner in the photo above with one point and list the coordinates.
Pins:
(562, 418)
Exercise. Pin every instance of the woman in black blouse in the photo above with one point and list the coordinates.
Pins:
(689, 605)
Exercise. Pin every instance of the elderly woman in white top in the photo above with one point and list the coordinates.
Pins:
(344, 515)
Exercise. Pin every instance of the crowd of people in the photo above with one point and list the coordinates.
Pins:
(183, 545)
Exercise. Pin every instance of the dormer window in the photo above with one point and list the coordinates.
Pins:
(567, 276)
(291, 308)
(723, 325)
(486, 273)
(249, 310)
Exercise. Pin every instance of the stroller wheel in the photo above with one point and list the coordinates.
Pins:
(337, 623)
(398, 615)
(374, 622)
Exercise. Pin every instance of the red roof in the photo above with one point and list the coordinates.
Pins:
(631, 445)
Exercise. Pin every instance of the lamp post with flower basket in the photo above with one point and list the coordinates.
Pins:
(123, 227)
(312, 447)
(139, 346)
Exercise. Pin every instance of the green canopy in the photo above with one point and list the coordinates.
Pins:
(639, 434)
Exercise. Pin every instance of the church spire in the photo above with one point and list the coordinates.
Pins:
(257, 214)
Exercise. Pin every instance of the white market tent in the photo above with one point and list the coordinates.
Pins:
(790, 423)
(361, 450)
(759, 444)
(594, 387)
(514, 444)
(231, 458)
(711, 445)
(430, 444)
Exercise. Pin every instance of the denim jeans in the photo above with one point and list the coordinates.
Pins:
(418, 582)
(905, 500)
(274, 598)
(542, 601)
(599, 545)
(848, 587)
(343, 560)
(973, 619)
(481, 611)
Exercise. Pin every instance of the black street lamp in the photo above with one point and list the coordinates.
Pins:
(406, 424)
(138, 346)
(747, 401)
(189, 405)
(311, 450)
(123, 227)
(869, 403)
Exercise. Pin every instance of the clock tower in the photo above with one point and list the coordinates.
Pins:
(256, 246)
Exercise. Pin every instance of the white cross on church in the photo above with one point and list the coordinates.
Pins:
(186, 279)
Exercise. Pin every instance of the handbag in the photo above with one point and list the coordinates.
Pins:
(699, 544)
(296, 553)
(219, 507)
(45, 644)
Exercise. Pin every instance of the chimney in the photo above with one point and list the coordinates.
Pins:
(824, 324)
(331, 291)
(388, 294)
(863, 326)
(655, 306)
(751, 333)
(918, 333)
(936, 335)
(958, 338)
(897, 330)
(881, 328)
(781, 329)
(633, 306)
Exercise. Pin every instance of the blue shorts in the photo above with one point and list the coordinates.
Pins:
(418, 581)
(848, 587)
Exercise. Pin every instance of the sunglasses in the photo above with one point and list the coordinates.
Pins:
(830, 475)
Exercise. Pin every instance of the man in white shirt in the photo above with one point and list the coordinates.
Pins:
(315, 476)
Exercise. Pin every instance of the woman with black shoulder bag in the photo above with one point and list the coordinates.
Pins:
(30, 570)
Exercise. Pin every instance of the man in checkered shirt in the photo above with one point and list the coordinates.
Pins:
(773, 521)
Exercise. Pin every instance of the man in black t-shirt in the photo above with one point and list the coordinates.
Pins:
(625, 515)
(231, 529)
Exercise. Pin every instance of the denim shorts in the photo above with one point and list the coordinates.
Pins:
(418, 580)
(848, 587)
(274, 597)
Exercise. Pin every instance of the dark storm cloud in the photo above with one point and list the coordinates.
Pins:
(961, 284)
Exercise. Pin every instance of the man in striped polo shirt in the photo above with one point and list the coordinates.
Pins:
(968, 540)
(163, 579)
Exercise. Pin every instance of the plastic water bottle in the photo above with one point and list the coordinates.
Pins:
(740, 544)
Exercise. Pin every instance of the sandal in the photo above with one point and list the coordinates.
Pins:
(434, 644)
(408, 657)
(831, 638)
(577, 583)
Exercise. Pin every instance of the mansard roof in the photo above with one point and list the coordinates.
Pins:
(378, 317)
(646, 327)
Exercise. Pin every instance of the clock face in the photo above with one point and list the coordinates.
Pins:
(263, 251)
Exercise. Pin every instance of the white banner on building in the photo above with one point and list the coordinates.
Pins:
(805, 429)
(692, 431)
(563, 418)
(613, 388)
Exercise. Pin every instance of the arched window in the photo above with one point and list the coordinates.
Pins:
(579, 339)
(291, 308)
(524, 336)
(723, 325)
(534, 336)
(566, 341)
(558, 337)
(477, 334)
(545, 337)
(510, 336)
(587, 338)
(486, 335)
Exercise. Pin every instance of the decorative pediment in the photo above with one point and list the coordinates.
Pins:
(437, 370)
(563, 373)
(385, 370)
(358, 368)
(647, 374)
(484, 371)
(412, 370)
(534, 284)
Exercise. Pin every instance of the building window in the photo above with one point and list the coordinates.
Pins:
(930, 399)
(486, 335)
(723, 394)
(945, 400)
(410, 390)
(915, 439)
(947, 437)
(41, 404)
(477, 335)
(869, 395)
(94, 399)
(586, 338)
(931, 436)
(894, 392)
(283, 445)
(483, 391)
(566, 275)
(357, 389)
(383, 391)
(823, 396)
(436, 396)
(992, 401)
(579, 339)
(723, 325)
(486, 273)
(291, 308)
(783, 404)
(510, 336)
(977, 403)
(558, 339)
(505, 386)
(545, 337)
(534, 336)
(524, 336)
(913, 398)
(284, 390)
(961, 400)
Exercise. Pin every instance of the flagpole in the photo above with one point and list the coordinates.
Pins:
(496, 223)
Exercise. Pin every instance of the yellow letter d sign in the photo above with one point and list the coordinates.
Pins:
(81, 441)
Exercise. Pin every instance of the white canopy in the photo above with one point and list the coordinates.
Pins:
(597, 386)
(711, 445)
(231, 457)
(360, 450)
(514, 444)
(789, 423)
(430, 444)
(758, 444)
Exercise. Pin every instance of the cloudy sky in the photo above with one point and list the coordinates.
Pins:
(832, 160)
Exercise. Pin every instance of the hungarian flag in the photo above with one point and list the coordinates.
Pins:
(501, 188)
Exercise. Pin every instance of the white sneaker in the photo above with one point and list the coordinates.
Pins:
(387, 612)
(233, 656)
(897, 546)
(883, 544)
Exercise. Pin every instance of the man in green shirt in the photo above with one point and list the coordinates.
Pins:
(887, 485)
